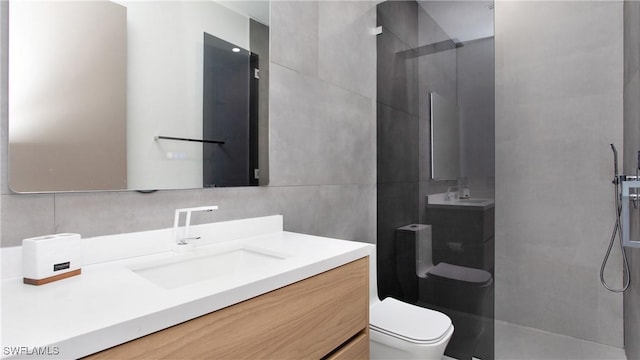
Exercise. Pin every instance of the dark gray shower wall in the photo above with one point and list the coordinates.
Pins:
(403, 129)
(437, 71)
(476, 100)
(631, 146)
(397, 140)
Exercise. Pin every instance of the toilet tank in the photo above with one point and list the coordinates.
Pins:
(420, 235)
(413, 258)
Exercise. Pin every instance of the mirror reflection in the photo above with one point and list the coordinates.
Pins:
(445, 138)
(231, 75)
(94, 86)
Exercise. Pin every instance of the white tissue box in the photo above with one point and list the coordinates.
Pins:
(50, 258)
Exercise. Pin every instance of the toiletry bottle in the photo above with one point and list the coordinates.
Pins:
(463, 188)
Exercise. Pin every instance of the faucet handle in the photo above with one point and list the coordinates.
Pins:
(184, 241)
(188, 211)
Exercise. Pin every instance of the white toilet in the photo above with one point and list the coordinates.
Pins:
(398, 330)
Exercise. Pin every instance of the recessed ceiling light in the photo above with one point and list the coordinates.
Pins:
(235, 49)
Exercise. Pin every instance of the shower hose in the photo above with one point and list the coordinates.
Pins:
(626, 275)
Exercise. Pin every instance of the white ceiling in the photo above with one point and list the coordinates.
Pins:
(462, 20)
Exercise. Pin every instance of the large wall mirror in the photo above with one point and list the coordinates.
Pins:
(137, 95)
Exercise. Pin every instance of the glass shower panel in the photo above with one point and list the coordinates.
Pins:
(436, 243)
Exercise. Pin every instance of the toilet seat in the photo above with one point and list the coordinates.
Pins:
(461, 274)
(408, 322)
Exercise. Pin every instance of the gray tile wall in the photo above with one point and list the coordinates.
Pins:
(322, 140)
(631, 147)
(558, 107)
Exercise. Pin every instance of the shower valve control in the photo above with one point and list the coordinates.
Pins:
(622, 178)
(630, 193)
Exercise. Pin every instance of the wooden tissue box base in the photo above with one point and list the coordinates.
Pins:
(52, 278)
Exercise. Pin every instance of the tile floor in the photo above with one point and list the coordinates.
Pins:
(520, 342)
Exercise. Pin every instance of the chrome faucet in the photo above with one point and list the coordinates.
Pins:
(187, 222)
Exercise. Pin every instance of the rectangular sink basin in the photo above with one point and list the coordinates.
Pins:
(190, 269)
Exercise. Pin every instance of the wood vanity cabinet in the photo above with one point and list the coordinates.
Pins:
(323, 317)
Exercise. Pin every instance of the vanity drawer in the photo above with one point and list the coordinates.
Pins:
(357, 348)
(305, 320)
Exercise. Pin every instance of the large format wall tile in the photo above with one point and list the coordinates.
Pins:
(399, 18)
(566, 77)
(476, 97)
(347, 212)
(344, 59)
(398, 146)
(429, 31)
(610, 311)
(558, 107)
(326, 131)
(292, 121)
(397, 84)
(437, 65)
(549, 295)
(517, 342)
(560, 58)
(93, 214)
(568, 29)
(25, 216)
(294, 35)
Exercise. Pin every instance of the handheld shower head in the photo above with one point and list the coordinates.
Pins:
(617, 182)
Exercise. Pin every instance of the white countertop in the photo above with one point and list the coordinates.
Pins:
(109, 304)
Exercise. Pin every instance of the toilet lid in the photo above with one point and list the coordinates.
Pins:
(409, 322)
